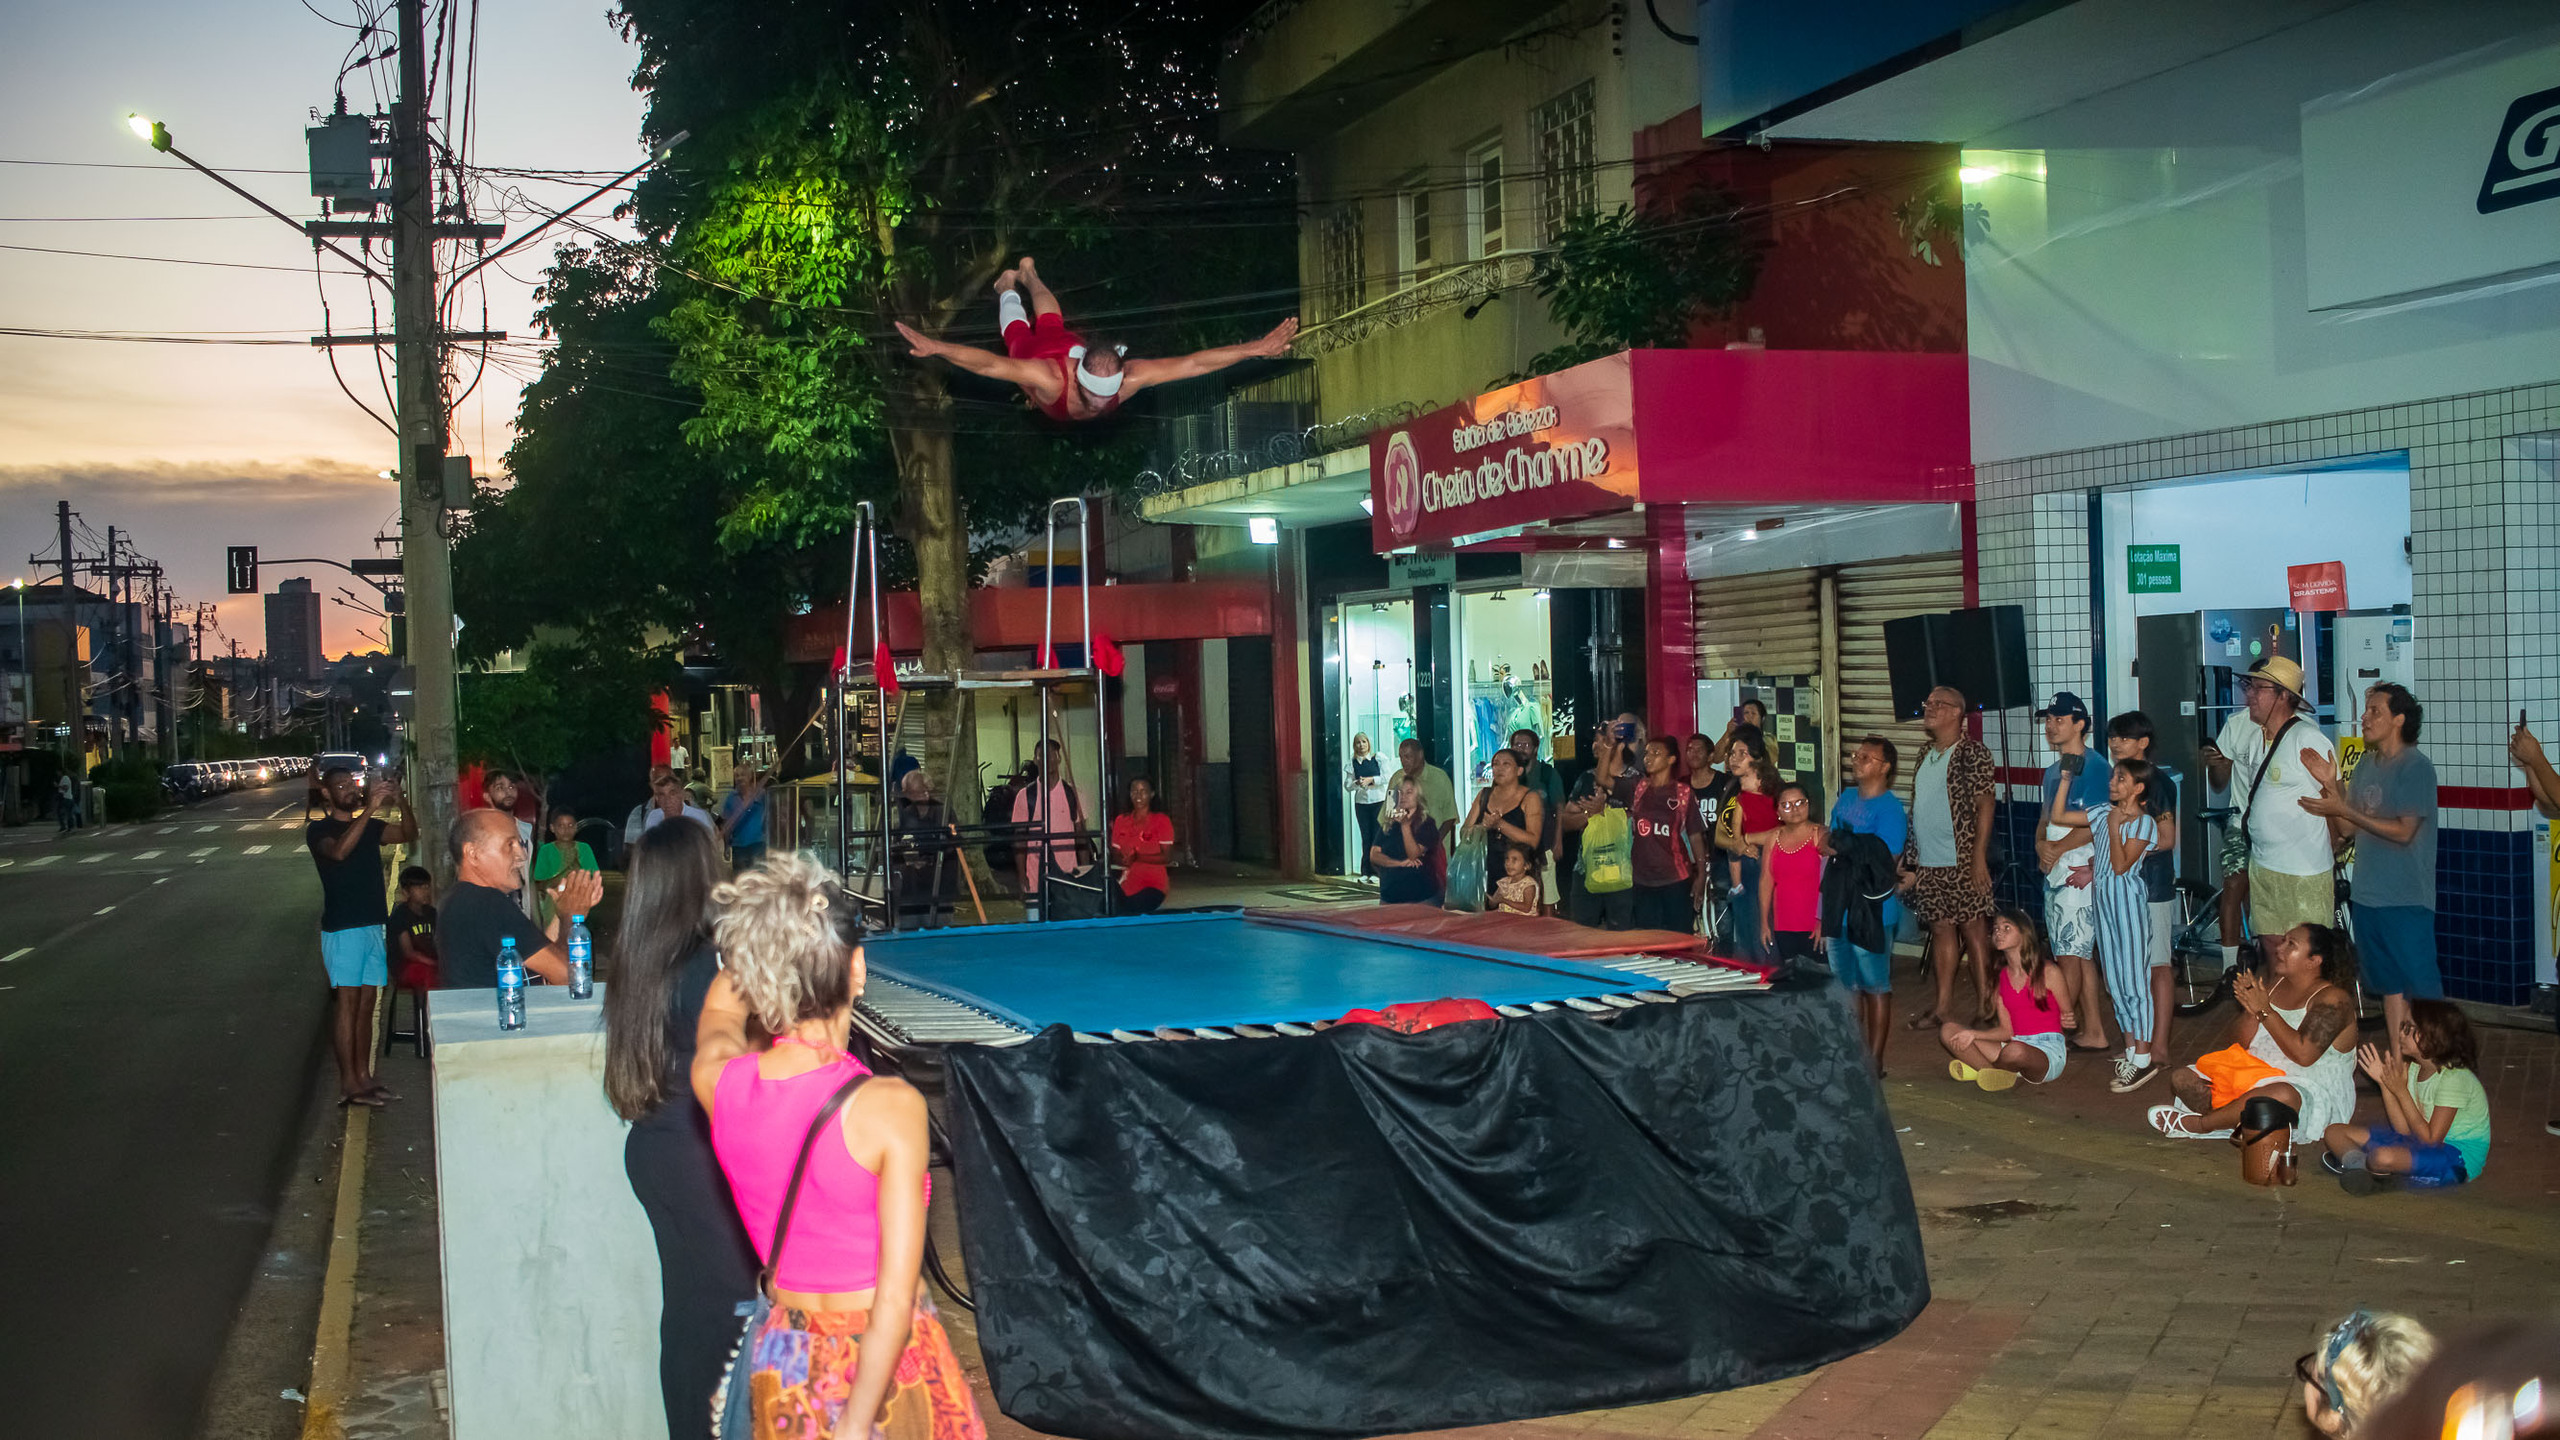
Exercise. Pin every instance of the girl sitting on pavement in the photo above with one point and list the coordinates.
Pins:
(2121, 901)
(2027, 1038)
(1516, 893)
(2436, 1114)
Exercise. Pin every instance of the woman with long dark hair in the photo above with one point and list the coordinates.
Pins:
(664, 963)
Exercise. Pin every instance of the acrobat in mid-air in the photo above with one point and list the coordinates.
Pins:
(1067, 378)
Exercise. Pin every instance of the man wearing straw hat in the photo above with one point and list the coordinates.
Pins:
(2292, 863)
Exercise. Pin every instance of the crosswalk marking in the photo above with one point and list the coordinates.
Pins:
(103, 909)
(92, 859)
(168, 829)
(245, 829)
(200, 854)
(290, 825)
(14, 954)
(255, 850)
(42, 860)
(148, 855)
(207, 829)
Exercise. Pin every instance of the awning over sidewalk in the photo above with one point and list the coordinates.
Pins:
(1010, 618)
(1777, 427)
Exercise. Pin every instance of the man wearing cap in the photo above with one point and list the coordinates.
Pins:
(2074, 784)
(2292, 862)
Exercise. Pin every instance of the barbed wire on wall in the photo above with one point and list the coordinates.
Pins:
(1289, 447)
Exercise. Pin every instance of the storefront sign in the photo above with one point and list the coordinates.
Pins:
(1164, 687)
(1408, 572)
(2152, 569)
(2318, 587)
(1554, 447)
(2469, 158)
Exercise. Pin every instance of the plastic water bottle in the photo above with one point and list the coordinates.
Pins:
(510, 986)
(582, 959)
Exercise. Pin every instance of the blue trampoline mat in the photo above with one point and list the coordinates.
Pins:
(1187, 971)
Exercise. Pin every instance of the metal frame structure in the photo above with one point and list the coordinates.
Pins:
(1044, 679)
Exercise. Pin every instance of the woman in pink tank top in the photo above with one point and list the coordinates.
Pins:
(1791, 879)
(2027, 1040)
(851, 1345)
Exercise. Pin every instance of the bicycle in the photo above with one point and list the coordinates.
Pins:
(2199, 977)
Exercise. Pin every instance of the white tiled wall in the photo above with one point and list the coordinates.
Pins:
(2485, 516)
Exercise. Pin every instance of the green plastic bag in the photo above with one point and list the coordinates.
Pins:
(1466, 875)
(1608, 852)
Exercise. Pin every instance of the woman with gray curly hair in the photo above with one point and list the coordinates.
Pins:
(2361, 1364)
(804, 1130)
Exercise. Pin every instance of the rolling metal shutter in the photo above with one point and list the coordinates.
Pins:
(1768, 624)
(1870, 594)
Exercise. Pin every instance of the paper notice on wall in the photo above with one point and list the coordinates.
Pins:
(2318, 586)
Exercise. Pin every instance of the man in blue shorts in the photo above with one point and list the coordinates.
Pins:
(1871, 809)
(346, 845)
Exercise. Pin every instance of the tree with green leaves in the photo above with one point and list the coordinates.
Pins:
(1636, 279)
(854, 165)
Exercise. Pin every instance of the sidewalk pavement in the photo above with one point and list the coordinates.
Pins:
(2090, 1278)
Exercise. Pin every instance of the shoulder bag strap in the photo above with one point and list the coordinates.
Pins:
(800, 1168)
(2249, 804)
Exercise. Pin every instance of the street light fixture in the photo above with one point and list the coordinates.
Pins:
(150, 131)
(156, 135)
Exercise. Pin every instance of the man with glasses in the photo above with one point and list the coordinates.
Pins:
(477, 918)
(1947, 860)
(2271, 755)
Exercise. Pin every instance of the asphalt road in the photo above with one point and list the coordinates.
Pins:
(161, 1019)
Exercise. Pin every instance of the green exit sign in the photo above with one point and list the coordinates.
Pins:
(2151, 569)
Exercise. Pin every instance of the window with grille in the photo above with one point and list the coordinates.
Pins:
(1338, 261)
(1568, 185)
(1413, 231)
(1484, 201)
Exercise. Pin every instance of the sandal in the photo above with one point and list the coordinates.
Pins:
(1996, 1081)
(2171, 1120)
(1925, 1020)
(1959, 1071)
(366, 1098)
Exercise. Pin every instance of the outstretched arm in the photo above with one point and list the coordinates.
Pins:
(1143, 373)
(1034, 375)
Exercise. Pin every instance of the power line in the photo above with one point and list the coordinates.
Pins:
(162, 259)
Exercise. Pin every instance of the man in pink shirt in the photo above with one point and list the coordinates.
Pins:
(1056, 808)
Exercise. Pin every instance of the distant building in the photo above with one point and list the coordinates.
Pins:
(293, 631)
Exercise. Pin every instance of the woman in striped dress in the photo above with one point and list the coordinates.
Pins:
(2125, 833)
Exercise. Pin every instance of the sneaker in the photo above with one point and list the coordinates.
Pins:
(2128, 1074)
(2552, 1125)
(2359, 1181)
(2142, 1075)
(2332, 1163)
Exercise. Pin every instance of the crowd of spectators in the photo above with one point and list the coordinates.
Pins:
(1704, 836)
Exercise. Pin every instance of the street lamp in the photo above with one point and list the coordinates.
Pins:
(150, 131)
(156, 135)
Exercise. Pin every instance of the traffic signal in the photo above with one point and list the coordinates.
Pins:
(242, 570)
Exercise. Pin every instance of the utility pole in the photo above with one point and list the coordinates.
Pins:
(77, 727)
(426, 561)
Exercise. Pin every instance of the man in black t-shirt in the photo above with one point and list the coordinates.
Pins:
(477, 916)
(346, 846)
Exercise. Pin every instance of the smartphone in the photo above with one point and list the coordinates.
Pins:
(1624, 730)
(2072, 764)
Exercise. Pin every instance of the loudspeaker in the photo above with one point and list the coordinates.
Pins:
(1909, 663)
(1981, 652)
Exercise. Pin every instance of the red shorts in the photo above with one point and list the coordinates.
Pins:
(1045, 338)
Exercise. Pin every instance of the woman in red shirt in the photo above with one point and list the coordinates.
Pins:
(1141, 841)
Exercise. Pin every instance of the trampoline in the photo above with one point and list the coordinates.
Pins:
(1192, 1206)
(1217, 971)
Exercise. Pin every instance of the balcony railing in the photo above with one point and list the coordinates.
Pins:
(1454, 286)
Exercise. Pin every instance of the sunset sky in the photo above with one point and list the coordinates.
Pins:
(193, 447)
